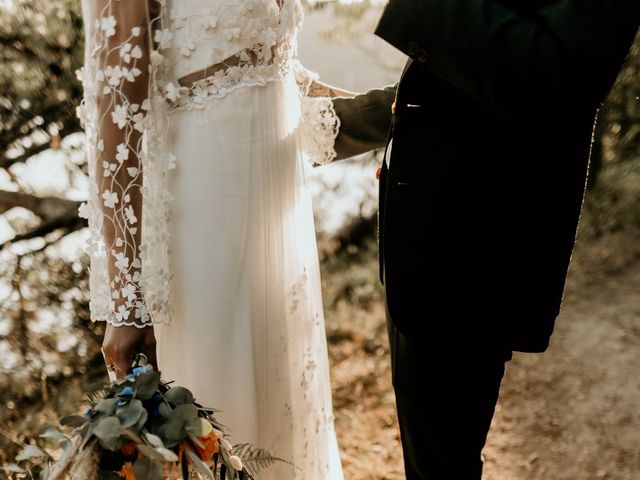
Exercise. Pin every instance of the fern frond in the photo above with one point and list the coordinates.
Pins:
(256, 459)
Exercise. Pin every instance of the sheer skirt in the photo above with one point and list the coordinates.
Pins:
(248, 334)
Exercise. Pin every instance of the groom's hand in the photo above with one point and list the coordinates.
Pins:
(121, 344)
(364, 121)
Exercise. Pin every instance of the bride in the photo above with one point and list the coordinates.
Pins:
(200, 224)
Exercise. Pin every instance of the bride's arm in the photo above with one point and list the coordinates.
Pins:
(320, 89)
(116, 101)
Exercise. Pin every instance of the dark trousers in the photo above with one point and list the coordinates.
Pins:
(445, 396)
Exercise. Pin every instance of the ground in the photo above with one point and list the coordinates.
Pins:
(568, 414)
(571, 413)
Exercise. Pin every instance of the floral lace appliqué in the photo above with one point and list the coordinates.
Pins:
(319, 129)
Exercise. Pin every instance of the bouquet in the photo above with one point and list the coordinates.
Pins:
(140, 428)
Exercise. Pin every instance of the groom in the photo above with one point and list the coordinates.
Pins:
(480, 195)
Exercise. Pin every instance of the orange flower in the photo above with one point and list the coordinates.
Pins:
(211, 446)
(126, 472)
(129, 448)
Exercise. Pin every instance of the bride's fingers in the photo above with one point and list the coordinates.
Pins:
(121, 344)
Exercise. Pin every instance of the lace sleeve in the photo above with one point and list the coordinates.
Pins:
(319, 124)
(115, 112)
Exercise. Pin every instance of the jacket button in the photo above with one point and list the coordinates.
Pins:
(412, 48)
(378, 173)
(422, 55)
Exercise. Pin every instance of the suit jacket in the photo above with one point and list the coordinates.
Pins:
(491, 140)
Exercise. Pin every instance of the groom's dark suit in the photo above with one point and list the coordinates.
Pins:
(479, 208)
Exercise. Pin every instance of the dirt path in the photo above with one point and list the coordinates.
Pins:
(572, 413)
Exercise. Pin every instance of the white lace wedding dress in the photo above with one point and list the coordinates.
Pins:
(199, 216)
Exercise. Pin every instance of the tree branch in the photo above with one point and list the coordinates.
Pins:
(69, 126)
(70, 224)
(47, 208)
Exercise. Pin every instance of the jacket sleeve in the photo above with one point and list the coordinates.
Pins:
(562, 50)
(364, 121)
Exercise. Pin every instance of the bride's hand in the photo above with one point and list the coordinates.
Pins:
(121, 344)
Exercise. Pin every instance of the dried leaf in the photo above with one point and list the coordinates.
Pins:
(29, 452)
(197, 462)
(12, 467)
(130, 435)
(53, 434)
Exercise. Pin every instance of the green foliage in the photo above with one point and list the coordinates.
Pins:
(622, 112)
(127, 414)
(40, 49)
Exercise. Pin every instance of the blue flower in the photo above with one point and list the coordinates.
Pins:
(125, 395)
(137, 371)
(127, 392)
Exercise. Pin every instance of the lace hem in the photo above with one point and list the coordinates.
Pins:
(319, 128)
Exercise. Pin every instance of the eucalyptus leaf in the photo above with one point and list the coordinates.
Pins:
(186, 412)
(108, 433)
(73, 421)
(142, 421)
(53, 434)
(12, 467)
(146, 385)
(196, 427)
(29, 452)
(150, 452)
(164, 410)
(68, 449)
(200, 466)
(130, 414)
(179, 396)
(147, 469)
(196, 441)
(173, 431)
(106, 405)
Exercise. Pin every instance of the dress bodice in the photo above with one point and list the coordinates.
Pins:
(206, 32)
(199, 33)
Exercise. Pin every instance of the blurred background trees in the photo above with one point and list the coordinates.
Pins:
(44, 333)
